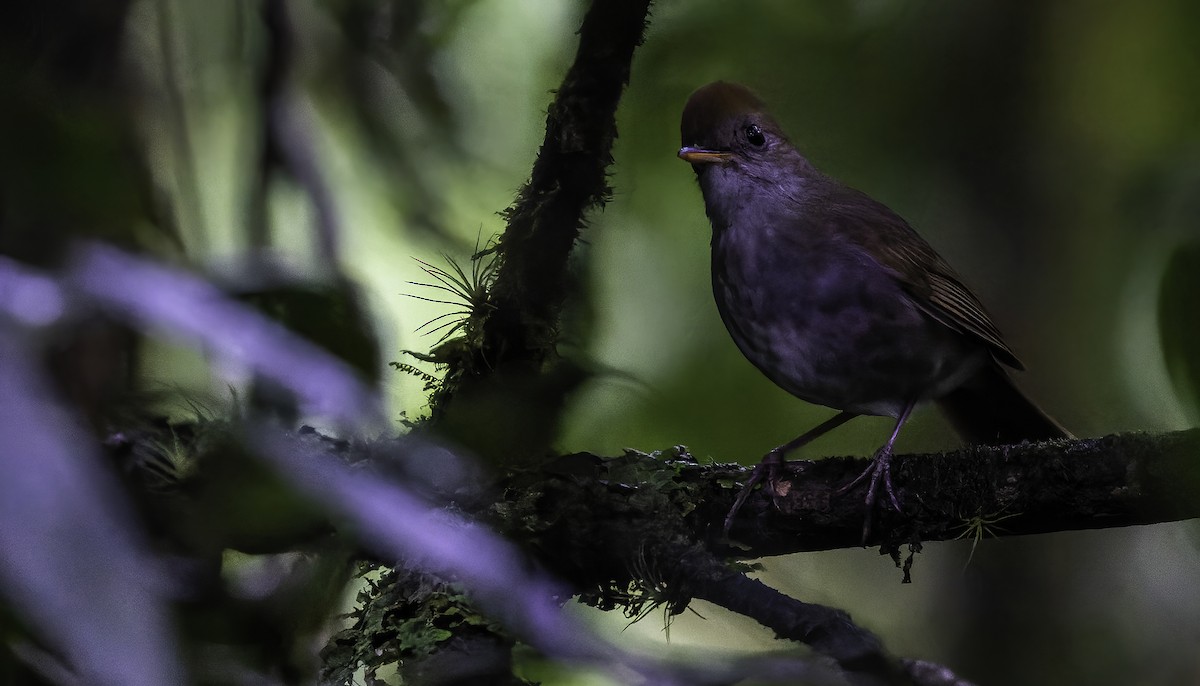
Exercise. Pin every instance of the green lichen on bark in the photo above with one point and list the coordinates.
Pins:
(620, 528)
(402, 616)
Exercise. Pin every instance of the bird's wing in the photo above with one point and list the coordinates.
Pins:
(924, 275)
(936, 289)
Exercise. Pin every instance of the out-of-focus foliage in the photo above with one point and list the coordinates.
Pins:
(403, 616)
(187, 131)
(1180, 323)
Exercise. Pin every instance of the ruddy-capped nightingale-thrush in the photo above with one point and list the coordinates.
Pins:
(836, 299)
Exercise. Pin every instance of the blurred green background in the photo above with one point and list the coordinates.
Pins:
(1050, 151)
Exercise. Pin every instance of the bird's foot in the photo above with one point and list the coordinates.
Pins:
(767, 469)
(880, 470)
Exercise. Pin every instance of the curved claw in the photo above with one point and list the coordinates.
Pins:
(882, 466)
(880, 469)
(772, 461)
(768, 468)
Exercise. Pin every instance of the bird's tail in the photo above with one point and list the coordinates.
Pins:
(990, 409)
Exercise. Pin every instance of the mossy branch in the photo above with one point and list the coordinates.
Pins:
(603, 517)
(1119, 480)
(568, 180)
(645, 529)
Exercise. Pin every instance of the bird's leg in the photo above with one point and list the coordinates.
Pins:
(880, 469)
(773, 460)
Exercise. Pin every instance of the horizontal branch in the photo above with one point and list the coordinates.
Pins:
(661, 516)
(827, 630)
(1118, 480)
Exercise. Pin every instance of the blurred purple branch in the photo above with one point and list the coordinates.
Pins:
(28, 296)
(74, 563)
(190, 309)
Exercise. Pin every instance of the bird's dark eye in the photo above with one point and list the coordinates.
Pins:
(755, 137)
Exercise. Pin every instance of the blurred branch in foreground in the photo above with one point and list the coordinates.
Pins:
(382, 514)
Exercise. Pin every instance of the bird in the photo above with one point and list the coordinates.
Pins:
(837, 299)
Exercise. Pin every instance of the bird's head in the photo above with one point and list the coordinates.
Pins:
(743, 160)
(726, 123)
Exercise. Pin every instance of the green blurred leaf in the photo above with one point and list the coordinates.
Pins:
(1179, 324)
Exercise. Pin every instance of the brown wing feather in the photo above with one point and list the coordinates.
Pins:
(932, 283)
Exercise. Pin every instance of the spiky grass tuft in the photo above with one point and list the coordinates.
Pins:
(468, 292)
